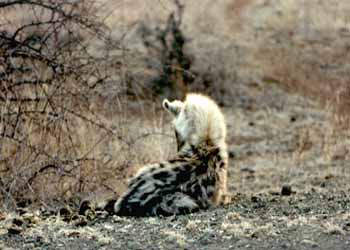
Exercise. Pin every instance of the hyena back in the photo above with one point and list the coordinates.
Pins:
(183, 185)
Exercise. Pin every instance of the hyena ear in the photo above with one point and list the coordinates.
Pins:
(173, 107)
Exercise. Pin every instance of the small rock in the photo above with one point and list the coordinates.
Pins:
(221, 103)
(102, 214)
(248, 170)
(90, 215)
(273, 200)
(231, 154)
(84, 207)
(65, 211)
(17, 222)
(329, 176)
(81, 222)
(14, 229)
(273, 192)
(74, 234)
(2, 216)
(23, 203)
(75, 217)
(286, 190)
(44, 212)
(346, 226)
(255, 199)
(104, 241)
(66, 214)
(255, 235)
(21, 211)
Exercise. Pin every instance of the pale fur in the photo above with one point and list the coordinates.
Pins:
(199, 120)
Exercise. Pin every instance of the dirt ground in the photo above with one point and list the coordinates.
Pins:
(288, 173)
(289, 167)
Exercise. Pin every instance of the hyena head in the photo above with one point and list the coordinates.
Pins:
(198, 120)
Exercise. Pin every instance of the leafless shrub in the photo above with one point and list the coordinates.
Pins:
(167, 46)
(48, 77)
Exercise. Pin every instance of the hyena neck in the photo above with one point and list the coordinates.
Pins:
(189, 150)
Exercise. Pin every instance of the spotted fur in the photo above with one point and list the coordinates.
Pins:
(182, 185)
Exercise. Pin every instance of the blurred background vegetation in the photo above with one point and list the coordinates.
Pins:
(81, 81)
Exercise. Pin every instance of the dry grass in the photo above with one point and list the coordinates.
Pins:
(303, 47)
(80, 134)
(300, 46)
(92, 161)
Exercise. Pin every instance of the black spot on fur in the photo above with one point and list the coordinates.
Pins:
(209, 181)
(110, 206)
(186, 210)
(159, 211)
(202, 168)
(222, 164)
(131, 192)
(162, 175)
(146, 196)
(151, 203)
(197, 190)
(169, 203)
(182, 176)
(210, 193)
(179, 160)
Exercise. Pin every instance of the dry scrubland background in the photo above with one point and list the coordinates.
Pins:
(95, 124)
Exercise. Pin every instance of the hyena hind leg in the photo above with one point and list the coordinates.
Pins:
(177, 203)
(168, 205)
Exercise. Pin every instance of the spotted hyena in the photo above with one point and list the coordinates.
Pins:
(196, 178)
(197, 121)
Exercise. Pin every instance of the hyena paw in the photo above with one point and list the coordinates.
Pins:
(227, 198)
